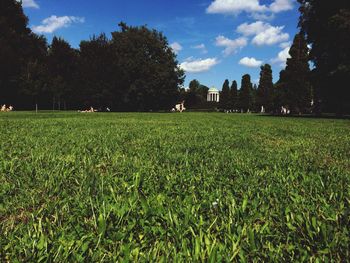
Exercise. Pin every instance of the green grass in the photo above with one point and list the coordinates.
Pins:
(173, 187)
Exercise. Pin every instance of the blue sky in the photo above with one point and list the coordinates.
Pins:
(214, 39)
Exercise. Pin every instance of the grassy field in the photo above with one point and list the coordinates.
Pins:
(173, 187)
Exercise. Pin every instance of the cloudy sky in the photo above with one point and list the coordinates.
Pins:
(214, 39)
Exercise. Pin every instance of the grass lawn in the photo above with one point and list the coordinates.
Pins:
(173, 187)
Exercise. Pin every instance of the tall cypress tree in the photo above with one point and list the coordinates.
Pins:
(246, 100)
(225, 95)
(265, 88)
(234, 95)
(327, 28)
(295, 80)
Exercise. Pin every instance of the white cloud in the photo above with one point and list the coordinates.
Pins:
(253, 28)
(264, 33)
(250, 62)
(261, 16)
(252, 7)
(282, 57)
(270, 36)
(176, 47)
(281, 5)
(202, 48)
(29, 4)
(235, 6)
(198, 65)
(231, 45)
(53, 23)
(285, 44)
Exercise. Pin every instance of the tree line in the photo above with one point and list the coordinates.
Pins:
(323, 40)
(134, 70)
(293, 90)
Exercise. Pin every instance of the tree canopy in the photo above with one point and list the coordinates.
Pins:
(295, 79)
(225, 95)
(246, 96)
(134, 70)
(327, 29)
(265, 88)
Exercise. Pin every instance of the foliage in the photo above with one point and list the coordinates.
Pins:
(225, 95)
(173, 187)
(295, 79)
(265, 89)
(327, 27)
(135, 70)
(234, 95)
(196, 95)
(18, 47)
(246, 93)
(149, 76)
(98, 79)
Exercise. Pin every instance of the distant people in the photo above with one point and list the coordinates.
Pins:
(284, 111)
(88, 111)
(4, 109)
(262, 109)
(180, 107)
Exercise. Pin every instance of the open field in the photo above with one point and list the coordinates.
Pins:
(193, 186)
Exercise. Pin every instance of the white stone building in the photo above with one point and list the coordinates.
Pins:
(213, 95)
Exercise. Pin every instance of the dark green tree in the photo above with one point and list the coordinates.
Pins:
(327, 28)
(62, 65)
(245, 94)
(265, 89)
(192, 98)
(18, 47)
(225, 95)
(97, 79)
(295, 80)
(279, 94)
(148, 73)
(196, 95)
(203, 92)
(34, 81)
(194, 85)
(234, 95)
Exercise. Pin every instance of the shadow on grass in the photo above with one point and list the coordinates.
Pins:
(308, 116)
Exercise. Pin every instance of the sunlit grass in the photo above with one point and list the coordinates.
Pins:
(201, 186)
